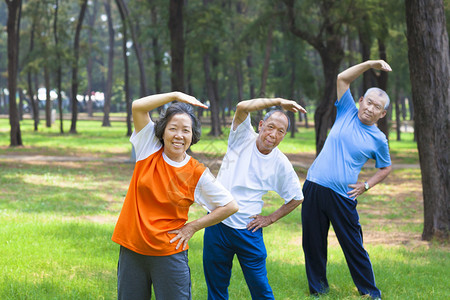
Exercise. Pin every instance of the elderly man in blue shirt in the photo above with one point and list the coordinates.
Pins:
(332, 184)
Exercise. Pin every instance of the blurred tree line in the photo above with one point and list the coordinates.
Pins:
(220, 51)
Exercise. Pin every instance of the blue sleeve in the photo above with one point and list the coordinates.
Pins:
(382, 156)
(345, 105)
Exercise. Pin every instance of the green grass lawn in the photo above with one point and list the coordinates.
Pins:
(56, 221)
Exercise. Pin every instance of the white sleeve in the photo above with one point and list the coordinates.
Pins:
(210, 193)
(242, 131)
(288, 183)
(145, 142)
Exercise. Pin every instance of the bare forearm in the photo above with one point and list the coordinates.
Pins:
(258, 104)
(245, 107)
(379, 176)
(217, 215)
(349, 75)
(148, 103)
(284, 210)
(345, 78)
(142, 106)
(359, 187)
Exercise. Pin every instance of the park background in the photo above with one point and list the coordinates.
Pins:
(75, 66)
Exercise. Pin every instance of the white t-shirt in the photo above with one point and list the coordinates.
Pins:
(248, 175)
(209, 192)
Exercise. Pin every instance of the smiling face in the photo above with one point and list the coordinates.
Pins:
(371, 108)
(177, 137)
(271, 132)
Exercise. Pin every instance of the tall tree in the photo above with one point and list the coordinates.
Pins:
(136, 45)
(48, 100)
(13, 27)
(157, 57)
(76, 50)
(109, 80)
(429, 61)
(177, 44)
(91, 18)
(58, 74)
(126, 68)
(326, 37)
(30, 71)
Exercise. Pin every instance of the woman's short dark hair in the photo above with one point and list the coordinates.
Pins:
(174, 109)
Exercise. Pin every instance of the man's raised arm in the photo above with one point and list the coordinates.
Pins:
(245, 107)
(345, 78)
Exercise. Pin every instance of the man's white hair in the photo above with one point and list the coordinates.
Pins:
(379, 92)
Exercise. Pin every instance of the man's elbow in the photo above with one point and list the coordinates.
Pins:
(240, 106)
(387, 170)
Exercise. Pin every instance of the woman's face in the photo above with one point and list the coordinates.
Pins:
(177, 136)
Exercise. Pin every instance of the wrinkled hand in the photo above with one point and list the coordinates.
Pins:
(259, 222)
(358, 189)
(183, 235)
(291, 106)
(381, 65)
(182, 97)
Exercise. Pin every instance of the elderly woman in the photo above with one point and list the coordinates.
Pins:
(152, 229)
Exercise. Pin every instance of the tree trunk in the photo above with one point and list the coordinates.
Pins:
(58, 67)
(365, 42)
(382, 80)
(265, 69)
(76, 50)
(239, 81)
(397, 112)
(109, 79)
(12, 27)
(214, 105)
(126, 69)
(176, 44)
(90, 60)
(326, 111)
(292, 85)
(157, 59)
(331, 52)
(429, 65)
(251, 83)
(31, 94)
(48, 100)
(136, 45)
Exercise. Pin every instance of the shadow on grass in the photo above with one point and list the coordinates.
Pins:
(86, 189)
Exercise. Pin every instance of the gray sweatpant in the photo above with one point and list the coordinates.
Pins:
(169, 275)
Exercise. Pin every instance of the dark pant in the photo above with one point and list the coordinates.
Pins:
(220, 245)
(320, 207)
(169, 275)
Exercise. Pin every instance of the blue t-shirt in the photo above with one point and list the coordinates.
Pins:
(347, 148)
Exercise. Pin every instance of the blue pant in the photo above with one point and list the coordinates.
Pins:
(220, 245)
(320, 207)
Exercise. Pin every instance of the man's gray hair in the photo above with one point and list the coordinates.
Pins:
(379, 92)
(271, 112)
